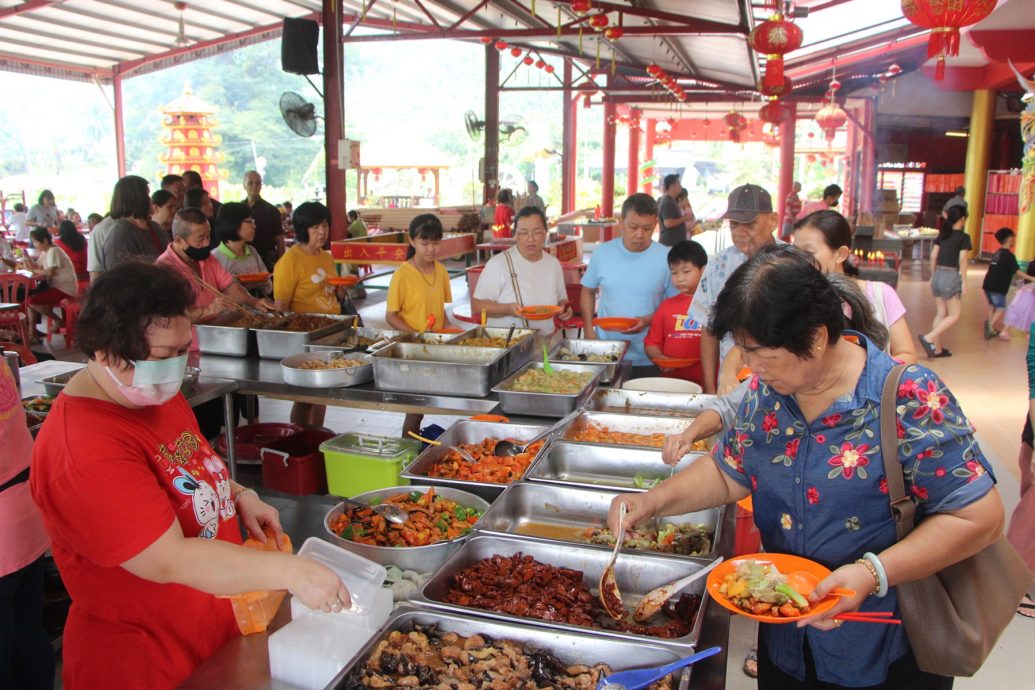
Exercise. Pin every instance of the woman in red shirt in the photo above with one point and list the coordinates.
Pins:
(74, 245)
(144, 520)
(504, 213)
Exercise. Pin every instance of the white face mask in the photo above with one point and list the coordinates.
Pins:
(155, 382)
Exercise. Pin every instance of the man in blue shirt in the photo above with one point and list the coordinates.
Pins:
(632, 276)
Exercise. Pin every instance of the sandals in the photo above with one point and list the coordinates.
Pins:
(1026, 609)
(927, 345)
(944, 352)
(751, 658)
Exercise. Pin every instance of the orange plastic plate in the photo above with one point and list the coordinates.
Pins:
(614, 323)
(342, 281)
(675, 362)
(785, 563)
(540, 312)
(253, 277)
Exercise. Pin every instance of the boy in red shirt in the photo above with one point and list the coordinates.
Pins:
(672, 333)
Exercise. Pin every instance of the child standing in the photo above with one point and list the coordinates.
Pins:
(1001, 270)
(673, 334)
(419, 289)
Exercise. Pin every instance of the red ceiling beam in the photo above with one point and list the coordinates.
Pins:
(999, 46)
(682, 19)
(27, 6)
(426, 33)
(994, 75)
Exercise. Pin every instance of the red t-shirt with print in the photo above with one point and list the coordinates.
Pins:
(678, 336)
(109, 480)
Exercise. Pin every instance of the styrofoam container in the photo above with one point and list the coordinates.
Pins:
(662, 385)
(381, 608)
(310, 650)
(361, 576)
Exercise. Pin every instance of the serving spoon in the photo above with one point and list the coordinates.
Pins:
(656, 598)
(507, 448)
(388, 511)
(610, 597)
(459, 451)
(643, 677)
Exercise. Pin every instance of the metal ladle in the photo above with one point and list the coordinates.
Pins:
(388, 511)
(506, 448)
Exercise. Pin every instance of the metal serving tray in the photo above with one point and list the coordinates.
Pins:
(294, 375)
(624, 423)
(468, 432)
(347, 340)
(635, 573)
(521, 347)
(427, 338)
(214, 339)
(275, 344)
(569, 648)
(617, 401)
(438, 369)
(568, 509)
(595, 466)
(546, 404)
(592, 347)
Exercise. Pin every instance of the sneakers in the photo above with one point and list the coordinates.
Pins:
(989, 333)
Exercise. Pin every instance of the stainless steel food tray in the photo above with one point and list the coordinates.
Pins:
(326, 378)
(466, 431)
(546, 404)
(438, 369)
(347, 339)
(595, 466)
(521, 347)
(569, 648)
(418, 558)
(427, 338)
(635, 573)
(567, 508)
(214, 339)
(624, 423)
(275, 344)
(617, 401)
(592, 347)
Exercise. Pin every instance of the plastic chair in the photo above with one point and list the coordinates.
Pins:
(24, 353)
(11, 284)
(70, 311)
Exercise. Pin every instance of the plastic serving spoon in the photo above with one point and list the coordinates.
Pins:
(641, 678)
(546, 362)
(805, 582)
(656, 598)
(459, 451)
(485, 318)
(429, 324)
(507, 448)
(610, 597)
(392, 513)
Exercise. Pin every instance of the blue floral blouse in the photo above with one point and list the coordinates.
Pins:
(819, 491)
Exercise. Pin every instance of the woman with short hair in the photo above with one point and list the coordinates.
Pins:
(235, 229)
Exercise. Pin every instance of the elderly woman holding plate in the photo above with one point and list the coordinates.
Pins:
(806, 446)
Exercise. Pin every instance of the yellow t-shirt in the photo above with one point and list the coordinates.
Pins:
(410, 294)
(299, 278)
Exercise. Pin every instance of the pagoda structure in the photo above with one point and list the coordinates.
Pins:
(188, 123)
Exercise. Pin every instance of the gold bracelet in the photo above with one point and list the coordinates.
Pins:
(873, 572)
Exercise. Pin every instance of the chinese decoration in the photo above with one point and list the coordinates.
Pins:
(188, 125)
(774, 38)
(945, 18)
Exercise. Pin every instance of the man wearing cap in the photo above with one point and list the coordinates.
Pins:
(752, 221)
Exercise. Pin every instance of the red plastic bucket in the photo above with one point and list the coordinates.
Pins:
(295, 464)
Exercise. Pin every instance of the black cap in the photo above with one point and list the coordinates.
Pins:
(746, 202)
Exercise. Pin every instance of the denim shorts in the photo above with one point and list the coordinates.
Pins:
(996, 299)
(946, 282)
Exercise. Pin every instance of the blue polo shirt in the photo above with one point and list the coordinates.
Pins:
(632, 284)
(819, 491)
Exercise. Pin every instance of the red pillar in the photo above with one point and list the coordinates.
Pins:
(569, 143)
(786, 162)
(120, 128)
(850, 200)
(334, 117)
(647, 184)
(607, 182)
(491, 160)
(868, 169)
(634, 151)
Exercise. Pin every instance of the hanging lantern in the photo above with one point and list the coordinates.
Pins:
(501, 45)
(779, 89)
(540, 63)
(528, 60)
(771, 135)
(581, 6)
(486, 40)
(810, 159)
(945, 18)
(736, 123)
(894, 70)
(775, 37)
(516, 52)
(613, 33)
(548, 69)
(834, 86)
(598, 21)
(831, 118)
(377, 174)
(654, 70)
(774, 112)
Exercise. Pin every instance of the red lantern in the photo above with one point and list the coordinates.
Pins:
(528, 60)
(613, 33)
(775, 38)
(811, 158)
(581, 6)
(548, 69)
(831, 118)
(516, 52)
(598, 21)
(540, 63)
(834, 85)
(944, 19)
(779, 89)
(894, 70)
(501, 45)
(774, 113)
(485, 39)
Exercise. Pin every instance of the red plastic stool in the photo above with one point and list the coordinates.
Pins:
(70, 310)
(574, 322)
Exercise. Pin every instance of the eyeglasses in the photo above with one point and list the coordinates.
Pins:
(538, 234)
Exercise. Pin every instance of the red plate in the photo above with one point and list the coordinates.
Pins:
(675, 362)
(342, 281)
(253, 277)
(615, 323)
(785, 563)
(540, 312)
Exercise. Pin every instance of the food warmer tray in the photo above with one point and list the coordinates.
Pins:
(346, 340)
(274, 344)
(617, 401)
(230, 341)
(438, 369)
(592, 347)
(595, 466)
(624, 423)
(546, 404)
(521, 348)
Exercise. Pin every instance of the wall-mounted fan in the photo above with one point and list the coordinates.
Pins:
(473, 125)
(512, 128)
(298, 113)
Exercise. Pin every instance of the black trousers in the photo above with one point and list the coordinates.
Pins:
(26, 657)
(902, 675)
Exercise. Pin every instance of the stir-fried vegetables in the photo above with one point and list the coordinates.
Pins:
(432, 519)
(761, 589)
(490, 468)
(560, 382)
(684, 540)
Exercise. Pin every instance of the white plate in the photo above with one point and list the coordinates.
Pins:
(662, 385)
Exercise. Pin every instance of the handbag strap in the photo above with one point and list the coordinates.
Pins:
(903, 510)
(514, 283)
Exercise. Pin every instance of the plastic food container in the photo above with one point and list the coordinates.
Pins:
(364, 579)
(357, 463)
(310, 650)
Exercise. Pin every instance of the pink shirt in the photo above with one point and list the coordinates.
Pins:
(22, 537)
(212, 273)
(891, 305)
(813, 206)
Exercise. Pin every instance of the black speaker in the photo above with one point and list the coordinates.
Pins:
(298, 42)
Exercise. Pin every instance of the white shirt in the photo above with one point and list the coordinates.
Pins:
(18, 226)
(64, 277)
(7, 253)
(540, 282)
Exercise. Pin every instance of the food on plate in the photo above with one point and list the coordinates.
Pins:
(559, 382)
(41, 403)
(595, 433)
(426, 657)
(761, 589)
(566, 355)
(333, 363)
(432, 519)
(519, 585)
(683, 540)
(493, 469)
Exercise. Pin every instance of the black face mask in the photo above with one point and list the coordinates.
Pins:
(197, 253)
